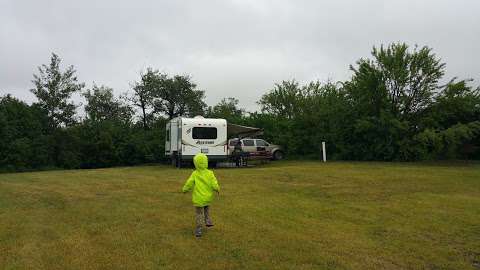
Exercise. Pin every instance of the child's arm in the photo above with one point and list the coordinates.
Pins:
(215, 185)
(189, 184)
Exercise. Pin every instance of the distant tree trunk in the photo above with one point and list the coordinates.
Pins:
(144, 118)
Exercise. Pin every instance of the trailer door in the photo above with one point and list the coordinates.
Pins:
(174, 136)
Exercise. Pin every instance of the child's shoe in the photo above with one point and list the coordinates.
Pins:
(208, 222)
(198, 232)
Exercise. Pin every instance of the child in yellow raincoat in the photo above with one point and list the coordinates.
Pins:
(203, 183)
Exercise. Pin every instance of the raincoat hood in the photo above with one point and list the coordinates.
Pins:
(200, 161)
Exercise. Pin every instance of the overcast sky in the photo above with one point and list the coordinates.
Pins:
(234, 48)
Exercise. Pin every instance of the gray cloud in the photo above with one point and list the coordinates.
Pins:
(231, 48)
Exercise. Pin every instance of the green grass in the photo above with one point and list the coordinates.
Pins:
(287, 215)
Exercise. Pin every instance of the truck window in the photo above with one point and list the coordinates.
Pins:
(205, 133)
(248, 143)
(262, 143)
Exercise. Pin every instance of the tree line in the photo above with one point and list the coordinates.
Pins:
(397, 106)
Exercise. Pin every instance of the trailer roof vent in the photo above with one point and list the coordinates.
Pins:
(199, 116)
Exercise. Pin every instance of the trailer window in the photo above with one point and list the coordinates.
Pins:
(168, 135)
(206, 133)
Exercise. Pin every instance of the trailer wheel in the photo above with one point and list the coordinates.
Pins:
(278, 155)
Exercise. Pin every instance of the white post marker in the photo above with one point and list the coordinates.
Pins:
(324, 152)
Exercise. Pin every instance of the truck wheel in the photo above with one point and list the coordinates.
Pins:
(278, 155)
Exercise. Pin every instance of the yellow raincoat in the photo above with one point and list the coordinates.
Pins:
(203, 182)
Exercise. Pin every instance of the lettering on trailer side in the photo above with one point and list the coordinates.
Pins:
(205, 142)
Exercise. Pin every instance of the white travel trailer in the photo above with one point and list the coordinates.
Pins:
(186, 137)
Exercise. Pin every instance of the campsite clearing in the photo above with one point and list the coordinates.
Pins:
(285, 215)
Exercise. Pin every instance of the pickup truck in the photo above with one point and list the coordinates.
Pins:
(257, 148)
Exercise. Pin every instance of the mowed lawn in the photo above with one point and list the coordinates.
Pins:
(287, 215)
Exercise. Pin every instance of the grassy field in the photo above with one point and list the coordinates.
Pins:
(287, 215)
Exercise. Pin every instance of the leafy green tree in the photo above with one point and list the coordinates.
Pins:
(283, 100)
(366, 91)
(301, 117)
(406, 79)
(102, 105)
(325, 116)
(177, 96)
(458, 102)
(53, 89)
(106, 130)
(143, 92)
(22, 142)
(228, 109)
(391, 96)
(169, 96)
(458, 141)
